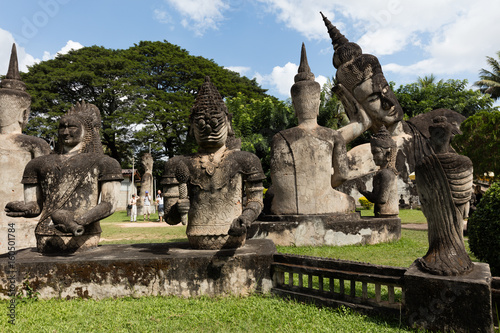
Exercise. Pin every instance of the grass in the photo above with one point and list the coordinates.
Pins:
(256, 313)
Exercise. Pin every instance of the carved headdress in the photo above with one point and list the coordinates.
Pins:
(90, 117)
(353, 67)
(304, 80)
(383, 139)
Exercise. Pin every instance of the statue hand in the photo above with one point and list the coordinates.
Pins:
(183, 206)
(64, 221)
(16, 209)
(239, 226)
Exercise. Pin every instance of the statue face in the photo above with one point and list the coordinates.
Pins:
(379, 155)
(379, 101)
(13, 108)
(70, 131)
(210, 128)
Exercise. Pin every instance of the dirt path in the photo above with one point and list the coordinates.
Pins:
(146, 225)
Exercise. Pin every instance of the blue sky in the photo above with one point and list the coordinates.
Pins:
(262, 38)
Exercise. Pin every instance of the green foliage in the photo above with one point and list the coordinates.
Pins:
(26, 293)
(365, 203)
(426, 95)
(484, 229)
(490, 79)
(480, 141)
(144, 93)
(331, 111)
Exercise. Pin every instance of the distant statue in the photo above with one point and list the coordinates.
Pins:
(146, 208)
(73, 189)
(16, 150)
(385, 190)
(304, 157)
(217, 191)
(444, 183)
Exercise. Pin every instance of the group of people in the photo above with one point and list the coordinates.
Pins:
(147, 202)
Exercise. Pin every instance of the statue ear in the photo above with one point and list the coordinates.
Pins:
(23, 117)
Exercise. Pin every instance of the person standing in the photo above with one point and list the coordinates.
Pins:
(161, 207)
(133, 209)
(146, 205)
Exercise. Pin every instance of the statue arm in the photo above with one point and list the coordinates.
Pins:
(360, 121)
(339, 161)
(171, 202)
(380, 193)
(31, 206)
(109, 200)
(252, 209)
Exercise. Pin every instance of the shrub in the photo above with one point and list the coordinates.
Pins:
(365, 203)
(484, 229)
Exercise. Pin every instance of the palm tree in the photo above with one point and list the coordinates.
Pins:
(490, 80)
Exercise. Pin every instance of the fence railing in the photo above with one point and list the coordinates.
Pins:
(332, 282)
(495, 298)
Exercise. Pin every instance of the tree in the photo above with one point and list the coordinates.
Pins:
(480, 141)
(144, 94)
(490, 80)
(426, 95)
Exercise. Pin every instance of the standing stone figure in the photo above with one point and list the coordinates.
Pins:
(219, 188)
(444, 183)
(303, 157)
(73, 189)
(385, 189)
(146, 184)
(16, 150)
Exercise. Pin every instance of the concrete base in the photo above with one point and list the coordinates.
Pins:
(141, 270)
(332, 230)
(449, 303)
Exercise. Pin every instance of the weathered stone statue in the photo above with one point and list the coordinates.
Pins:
(444, 183)
(146, 184)
(302, 157)
(72, 189)
(385, 189)
(16, 150)
(219, 188)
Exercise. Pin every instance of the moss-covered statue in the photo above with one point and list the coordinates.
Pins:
(220, 187)
(72, 189)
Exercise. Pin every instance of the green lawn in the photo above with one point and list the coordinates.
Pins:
(256, 313)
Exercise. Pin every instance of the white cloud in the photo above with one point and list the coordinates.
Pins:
(162, 16)
(242, 70)
(70, 45)
(25, 60)
(200, 15)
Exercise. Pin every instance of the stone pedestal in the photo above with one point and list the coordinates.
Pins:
(332, 229)
(142, 270)
(449, 303)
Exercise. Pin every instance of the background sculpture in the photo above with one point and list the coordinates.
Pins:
(302, 157)
(16, 150)
(444, 183)
(224, 184)
(73, 189)
(146, 185)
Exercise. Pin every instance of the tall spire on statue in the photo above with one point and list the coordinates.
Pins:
(13, 78)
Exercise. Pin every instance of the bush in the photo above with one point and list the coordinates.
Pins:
(484, 229)
(365, 203)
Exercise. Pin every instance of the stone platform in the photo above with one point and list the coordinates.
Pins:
(331, 230)
(449, 303)
(142, 270)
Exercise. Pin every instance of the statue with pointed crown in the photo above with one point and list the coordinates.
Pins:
(217, 190)
(16, 150)
(303, 157)
(72, 189)
(385, 189)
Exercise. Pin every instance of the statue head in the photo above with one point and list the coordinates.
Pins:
(306, 91)
(441, 133)
(14, 100)
(383, 148)
(80, 126)
(361, 74)
(209, 118)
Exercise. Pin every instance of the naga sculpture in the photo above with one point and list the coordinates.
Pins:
(220, 187)
(444, 183)
(73, 189)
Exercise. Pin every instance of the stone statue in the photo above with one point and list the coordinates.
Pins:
(444, 183)
(302, 157)
(73, 188)
(16, 150)
(146, 185)
(361, 85)
(220, 187)
(385, 189)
